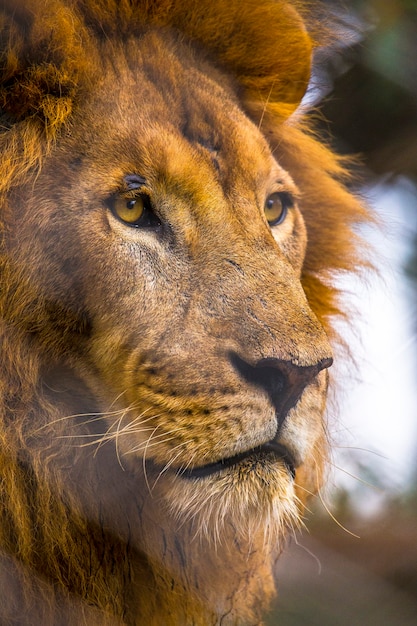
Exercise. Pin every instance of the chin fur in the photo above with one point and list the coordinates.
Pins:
(256, 502)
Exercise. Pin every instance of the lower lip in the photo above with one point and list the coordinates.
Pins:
(267, 449)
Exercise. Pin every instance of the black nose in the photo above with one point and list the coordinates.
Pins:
(283, 381)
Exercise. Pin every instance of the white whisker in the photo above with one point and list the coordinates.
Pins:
(168, 465)
(145, 449)
(358, 478)
(116, 441)
(266, 105)
(326, 507)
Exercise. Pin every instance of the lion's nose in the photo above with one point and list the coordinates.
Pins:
(282, 380)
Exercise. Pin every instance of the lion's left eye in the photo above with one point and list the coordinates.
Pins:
(276, 207)
(136, 212)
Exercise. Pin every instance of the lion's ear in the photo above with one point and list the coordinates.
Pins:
(264, 43)
(41, 60)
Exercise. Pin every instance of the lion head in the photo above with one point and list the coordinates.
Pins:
(170, 230)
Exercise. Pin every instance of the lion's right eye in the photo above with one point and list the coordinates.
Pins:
(136, 212)
(129, 211)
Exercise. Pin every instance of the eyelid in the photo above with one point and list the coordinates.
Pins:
(290, 191)
(281, 182)
(286, 195)
(133, 194)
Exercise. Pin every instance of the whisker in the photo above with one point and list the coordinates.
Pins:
(145, 450)
(265, 105)
(314, 556)
(374, 452)
(137, 419)
(109, 436)
(360, 480)
(326, 507)
(94, 415)
(335, 519)
(116, 441)
(168, 464)
(118, 397)
(142, 447)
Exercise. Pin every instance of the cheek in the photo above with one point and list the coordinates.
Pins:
(295, 243)
(45, 254)
(126, 288)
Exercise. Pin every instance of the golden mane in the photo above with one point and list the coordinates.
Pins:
(49, 60)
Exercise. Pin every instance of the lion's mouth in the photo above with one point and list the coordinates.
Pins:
(271, 448)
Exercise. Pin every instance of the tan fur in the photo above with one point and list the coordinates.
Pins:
(124, 350)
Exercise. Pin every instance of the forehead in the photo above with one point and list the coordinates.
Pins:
(157, 94)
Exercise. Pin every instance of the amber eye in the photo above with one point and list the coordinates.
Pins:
(276, 207)
(129, 211)
(136, 212)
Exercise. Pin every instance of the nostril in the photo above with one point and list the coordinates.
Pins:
(293, 379)
(282, 380)
(296, 376)
(325, 363)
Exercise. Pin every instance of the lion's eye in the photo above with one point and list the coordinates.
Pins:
(276, 207)
(129, 211)
(136, 212)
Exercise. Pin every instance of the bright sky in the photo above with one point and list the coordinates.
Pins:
(379, 412)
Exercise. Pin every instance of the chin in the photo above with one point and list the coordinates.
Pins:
(254, 499)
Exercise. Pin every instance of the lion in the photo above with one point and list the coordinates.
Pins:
(171, 235)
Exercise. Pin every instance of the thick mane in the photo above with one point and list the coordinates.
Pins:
(50, 54)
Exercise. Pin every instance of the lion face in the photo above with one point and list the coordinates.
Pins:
(172, 244)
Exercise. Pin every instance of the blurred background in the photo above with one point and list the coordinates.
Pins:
(357, 562)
